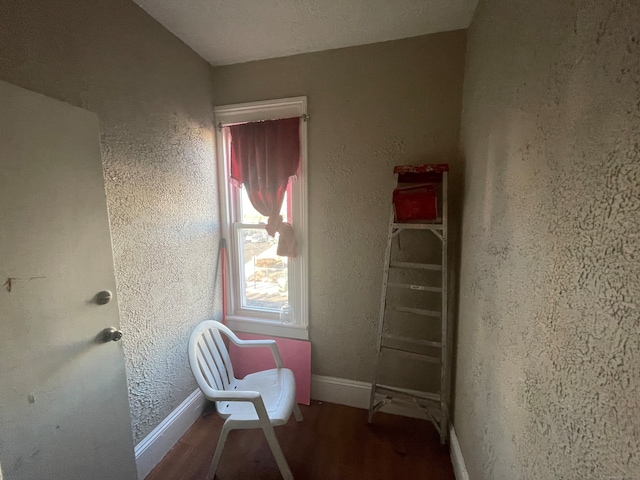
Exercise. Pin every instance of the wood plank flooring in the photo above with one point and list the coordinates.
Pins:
(333, 442)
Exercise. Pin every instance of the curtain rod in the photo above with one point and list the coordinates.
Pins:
(219, 126)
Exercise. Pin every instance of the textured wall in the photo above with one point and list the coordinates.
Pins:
(548, 377)
(371, 107)
(152, 95)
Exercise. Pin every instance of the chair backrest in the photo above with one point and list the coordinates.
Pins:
(209, 358)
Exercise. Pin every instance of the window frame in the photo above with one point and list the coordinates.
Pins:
(249, 320)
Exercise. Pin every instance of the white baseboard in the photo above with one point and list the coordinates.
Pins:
(353, 394)
(459, 467)
(152, 449)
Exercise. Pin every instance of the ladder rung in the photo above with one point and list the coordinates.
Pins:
(416, 355)
(410, 286)
(430, 408)
(418, 226)
(422, 266)
(405, 393)
(418, 311)
(413, 341)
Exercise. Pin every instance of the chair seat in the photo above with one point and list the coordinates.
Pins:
(278, 391)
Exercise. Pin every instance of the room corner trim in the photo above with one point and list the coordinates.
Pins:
(459, 467)
(152, 449)
(353, 393)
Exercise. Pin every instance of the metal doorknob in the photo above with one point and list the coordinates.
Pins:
(110, 334)
(104, 297)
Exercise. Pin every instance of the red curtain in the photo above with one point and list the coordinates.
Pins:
(264, 155)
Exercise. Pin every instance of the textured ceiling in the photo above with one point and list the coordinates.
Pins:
(235, 31)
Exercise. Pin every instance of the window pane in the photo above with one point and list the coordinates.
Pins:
(264, 274)
(251, 215)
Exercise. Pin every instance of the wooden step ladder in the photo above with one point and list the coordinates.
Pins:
(412, 348)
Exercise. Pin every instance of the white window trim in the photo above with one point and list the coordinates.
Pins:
(255, 322)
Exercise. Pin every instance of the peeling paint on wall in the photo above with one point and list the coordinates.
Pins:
(548, 377)
(8, 285)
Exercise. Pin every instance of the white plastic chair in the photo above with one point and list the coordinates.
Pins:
(260, 400)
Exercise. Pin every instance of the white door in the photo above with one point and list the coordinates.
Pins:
(64, 413)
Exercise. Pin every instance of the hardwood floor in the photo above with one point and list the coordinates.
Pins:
(333, 442)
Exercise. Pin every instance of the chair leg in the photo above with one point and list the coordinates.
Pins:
(297, 413)
(272, 440)
(218, 453)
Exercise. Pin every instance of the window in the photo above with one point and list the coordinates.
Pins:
(259, 282)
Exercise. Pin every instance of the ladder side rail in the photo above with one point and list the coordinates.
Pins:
(383, 306)
(385, 284)
(445, 364)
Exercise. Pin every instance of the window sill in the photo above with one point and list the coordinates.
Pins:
(266, 327)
